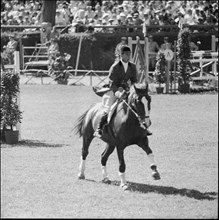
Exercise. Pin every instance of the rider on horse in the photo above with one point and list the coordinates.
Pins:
(122, 75)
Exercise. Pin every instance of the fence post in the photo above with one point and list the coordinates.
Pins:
(78, 55)
(213, 43)
(200, 65)
(130, 45)
(174, 66)
(168, 77)
(146, 58)
(17, 71)
(91, 72)
(21, 54)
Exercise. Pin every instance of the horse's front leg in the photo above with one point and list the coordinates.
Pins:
(104, 157)
(122, 166)
(143, 143)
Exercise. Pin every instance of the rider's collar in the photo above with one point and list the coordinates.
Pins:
(124, 63)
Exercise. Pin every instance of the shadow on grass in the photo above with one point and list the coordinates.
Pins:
(166, 190)
(32, 143)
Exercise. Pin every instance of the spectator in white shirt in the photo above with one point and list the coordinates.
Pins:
(59, 20)
(89, 12)
(189, 19)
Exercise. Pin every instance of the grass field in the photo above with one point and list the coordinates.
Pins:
(39, 175)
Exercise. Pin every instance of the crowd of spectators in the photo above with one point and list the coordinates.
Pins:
(116, 13)
(19, 13)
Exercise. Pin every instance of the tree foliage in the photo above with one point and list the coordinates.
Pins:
(183, 55)
(160, 68)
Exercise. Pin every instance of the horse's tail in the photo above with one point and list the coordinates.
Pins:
(78, 128)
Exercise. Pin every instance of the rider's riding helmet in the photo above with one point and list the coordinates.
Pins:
(125, 49)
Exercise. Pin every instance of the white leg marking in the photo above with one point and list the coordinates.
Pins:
(104, 172)
(151, 159)
(122, 177)
(82, 166)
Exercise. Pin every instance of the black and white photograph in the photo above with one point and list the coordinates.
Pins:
(109, 109)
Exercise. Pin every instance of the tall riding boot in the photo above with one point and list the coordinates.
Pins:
(103, 121)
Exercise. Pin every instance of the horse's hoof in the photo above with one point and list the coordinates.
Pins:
(124, 187)
(81, 176)
(106, 180)
(156, 175)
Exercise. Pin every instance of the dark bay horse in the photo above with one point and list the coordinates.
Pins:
(126, 127)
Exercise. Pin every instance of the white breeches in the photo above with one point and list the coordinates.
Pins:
(107, 100)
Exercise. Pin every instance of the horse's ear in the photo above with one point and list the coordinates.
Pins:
(136, 89)
(144, 87)
(141, 88)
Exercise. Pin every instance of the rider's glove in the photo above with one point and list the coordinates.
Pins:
(120, 93)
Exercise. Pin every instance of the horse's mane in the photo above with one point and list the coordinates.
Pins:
(141, 86)
(140, 89)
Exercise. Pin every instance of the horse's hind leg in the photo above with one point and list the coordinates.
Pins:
(86, 144)
(145, 146)
(104, 157)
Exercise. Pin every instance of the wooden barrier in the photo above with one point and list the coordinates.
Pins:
(40, 51)
(142, 61)
(214, 43)
(90, 73)
(77, 79)
(204, 60)
(140, 56)
(150, 28)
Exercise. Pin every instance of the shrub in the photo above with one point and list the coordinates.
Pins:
(160, 68)
(10, 113)
(58, 67)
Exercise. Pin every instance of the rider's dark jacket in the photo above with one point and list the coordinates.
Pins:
(119, 78)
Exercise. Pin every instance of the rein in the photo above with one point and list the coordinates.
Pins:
(136, 114)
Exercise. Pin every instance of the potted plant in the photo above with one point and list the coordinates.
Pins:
(183, 62)
(59, 68)
(160, 71)
(10, 112)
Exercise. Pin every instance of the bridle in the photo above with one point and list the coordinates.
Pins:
(141, 118)
(134, 112)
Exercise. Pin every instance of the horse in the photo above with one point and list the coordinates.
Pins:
(126, 127)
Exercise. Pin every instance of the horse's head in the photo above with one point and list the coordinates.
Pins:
(140, 101)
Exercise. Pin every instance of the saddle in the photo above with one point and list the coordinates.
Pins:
(100, 92)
